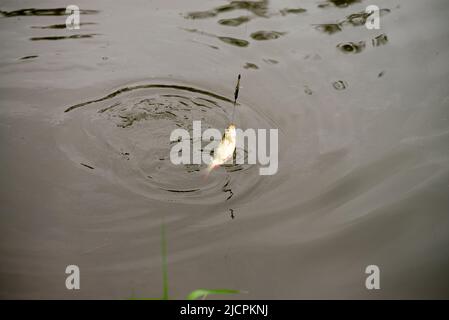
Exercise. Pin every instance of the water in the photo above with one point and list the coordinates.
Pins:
(363, 174)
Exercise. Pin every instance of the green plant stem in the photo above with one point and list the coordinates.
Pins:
(164, 263)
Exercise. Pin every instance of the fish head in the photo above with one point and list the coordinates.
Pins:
(230, 132)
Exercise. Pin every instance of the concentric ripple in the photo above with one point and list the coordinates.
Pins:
(125, 137)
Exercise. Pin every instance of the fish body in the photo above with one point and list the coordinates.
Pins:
(225, 150)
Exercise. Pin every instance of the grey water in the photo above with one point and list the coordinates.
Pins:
(86, 176)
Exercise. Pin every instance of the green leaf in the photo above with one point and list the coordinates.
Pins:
(146, 299)
(203, 293)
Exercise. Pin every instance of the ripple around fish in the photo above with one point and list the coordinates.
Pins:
(125, 137)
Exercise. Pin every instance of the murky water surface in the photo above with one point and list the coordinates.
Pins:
(363, 178)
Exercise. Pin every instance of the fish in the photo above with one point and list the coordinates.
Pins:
(225, 150)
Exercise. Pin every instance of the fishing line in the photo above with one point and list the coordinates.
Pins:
(237, 87)
(236, 95)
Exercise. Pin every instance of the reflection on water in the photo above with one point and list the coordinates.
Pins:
(271, 61)
(73, 36)
(343, 3)
(229, 40)
(329, 28)
(258, 8)
(234, 41)
(356, 19)
(266, 35)
(292, 11)
(261, 9)
(234, 22)
(87, 166)
(250, 65)
(61, 26)
(41, 12)
(380, 40)
(340, 85)
(231, 211)
(351, 47)
(29, 57)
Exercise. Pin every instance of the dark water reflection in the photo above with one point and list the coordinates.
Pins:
(258, 8)
(41, 12)
(74, 36)
(266, 35)
(351, 47)
(329, 28)
(234, 22)
(343, 3)
(61, 26)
